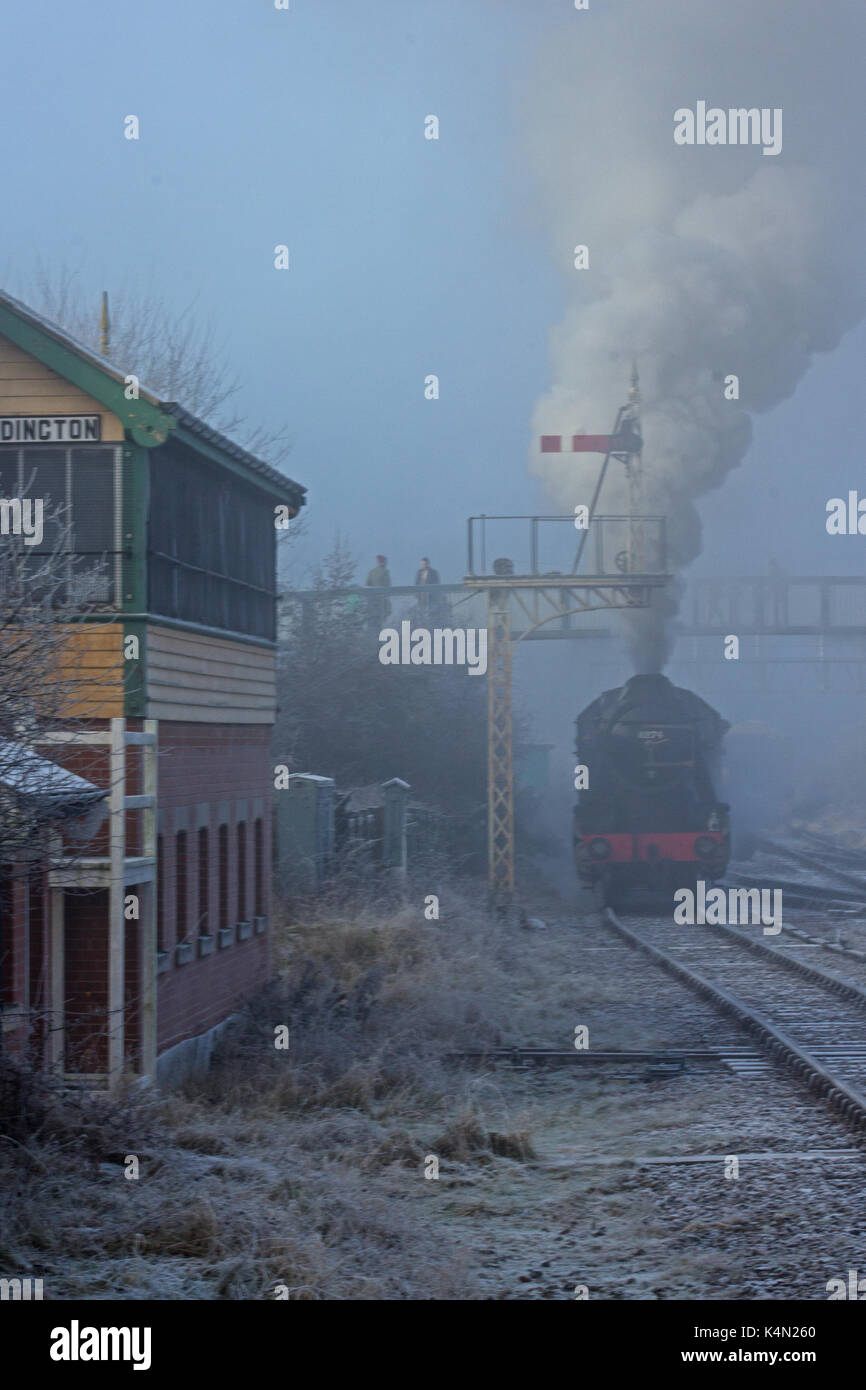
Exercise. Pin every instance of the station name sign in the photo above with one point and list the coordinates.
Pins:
(49, 429)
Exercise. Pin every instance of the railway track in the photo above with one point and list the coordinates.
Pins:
(822, 861)
(655, 1062)
(831, 885)
(809, 895)
(833, 853)
(806, 1019)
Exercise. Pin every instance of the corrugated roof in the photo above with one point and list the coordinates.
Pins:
(39, 779)
(183, 416)
(198, 427)
(362, 798)
(368, 798)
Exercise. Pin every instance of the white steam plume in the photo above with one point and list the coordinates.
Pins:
(703, 261)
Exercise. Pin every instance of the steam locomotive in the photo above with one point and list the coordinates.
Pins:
(647, 818)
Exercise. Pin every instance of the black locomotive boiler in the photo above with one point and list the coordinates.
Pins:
(647, 819)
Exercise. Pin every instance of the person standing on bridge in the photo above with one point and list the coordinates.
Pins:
(426, 575)
(429, 605)
(379, 577)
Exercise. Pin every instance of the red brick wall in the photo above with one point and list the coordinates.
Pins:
(211, 763)
(198, 763)
(94, 764)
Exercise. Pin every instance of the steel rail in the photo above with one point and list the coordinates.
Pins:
(849, 1104)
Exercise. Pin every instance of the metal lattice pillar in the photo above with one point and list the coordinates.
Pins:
(500, 770)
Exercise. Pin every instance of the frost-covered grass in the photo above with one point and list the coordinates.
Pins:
(299, 1167)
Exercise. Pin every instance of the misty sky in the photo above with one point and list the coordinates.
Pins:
(408, 256)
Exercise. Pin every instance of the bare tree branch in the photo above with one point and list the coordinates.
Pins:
(175, 352)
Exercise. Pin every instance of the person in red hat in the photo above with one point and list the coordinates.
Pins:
(379, 577)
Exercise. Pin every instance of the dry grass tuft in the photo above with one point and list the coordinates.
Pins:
(298, 1170)
(467, 1140)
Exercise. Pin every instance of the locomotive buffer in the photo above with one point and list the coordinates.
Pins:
(628, 562)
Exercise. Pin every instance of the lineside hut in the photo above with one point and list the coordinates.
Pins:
(136, 946)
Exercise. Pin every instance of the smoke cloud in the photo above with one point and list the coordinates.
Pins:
(704, 261)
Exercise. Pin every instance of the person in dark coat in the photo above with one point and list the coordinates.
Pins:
(429, 605)
(426, 575)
